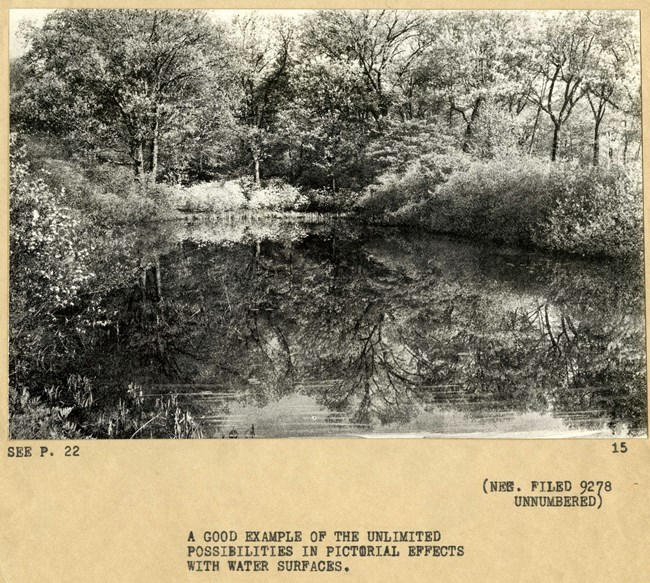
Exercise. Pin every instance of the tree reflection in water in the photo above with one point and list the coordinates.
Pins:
(377, 330)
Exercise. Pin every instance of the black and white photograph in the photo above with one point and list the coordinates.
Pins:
(244, 224)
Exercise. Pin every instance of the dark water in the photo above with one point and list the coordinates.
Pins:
(279, 328)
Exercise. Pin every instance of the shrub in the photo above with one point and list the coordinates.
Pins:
(329, 201)
(277, 196)
(502, 200)
(109, 208)
(108, 194)
(71, 411)
(599, 211)
(559, 206)
(392, 193)
(416, 184)
(233, 194)
(210, 197)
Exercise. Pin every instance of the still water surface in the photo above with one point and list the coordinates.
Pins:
(276, 327)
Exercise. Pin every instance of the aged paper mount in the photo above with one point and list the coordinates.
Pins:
(139, 510)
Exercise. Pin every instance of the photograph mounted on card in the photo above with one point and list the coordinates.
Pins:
(323, 290)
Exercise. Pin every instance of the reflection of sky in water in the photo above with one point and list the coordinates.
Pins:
(301, 416)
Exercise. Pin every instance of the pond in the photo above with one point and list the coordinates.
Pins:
(311, 327)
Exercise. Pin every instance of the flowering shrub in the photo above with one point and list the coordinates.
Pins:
(49, 270)
(210, 197)
(277, 196)
(216, 197)
(48, 266)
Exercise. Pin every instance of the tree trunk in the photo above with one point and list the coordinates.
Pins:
(556, 141)
(143, 283)
(469, 130)
(158, 284)
(256, 176)
(154, 146)
(596, 155)
(532, 137)
(139, 161)
(598, 109)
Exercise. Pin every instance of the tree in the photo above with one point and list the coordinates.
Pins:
(122, 77)
(324, 123)
(263, 59)
(468, 79)
(612, 80)
(384, 43)
(564, 48)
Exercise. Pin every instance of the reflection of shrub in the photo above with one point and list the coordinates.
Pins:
(277, 196)
(210, 197)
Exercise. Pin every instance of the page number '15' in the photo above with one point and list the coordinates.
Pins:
(619, 447)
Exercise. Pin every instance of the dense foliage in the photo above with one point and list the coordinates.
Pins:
(557, 206)
(329, 99)
(59, 281)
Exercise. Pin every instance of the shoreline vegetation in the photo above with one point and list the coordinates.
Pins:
(550, 206)
(527, 136)
(553, 207)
